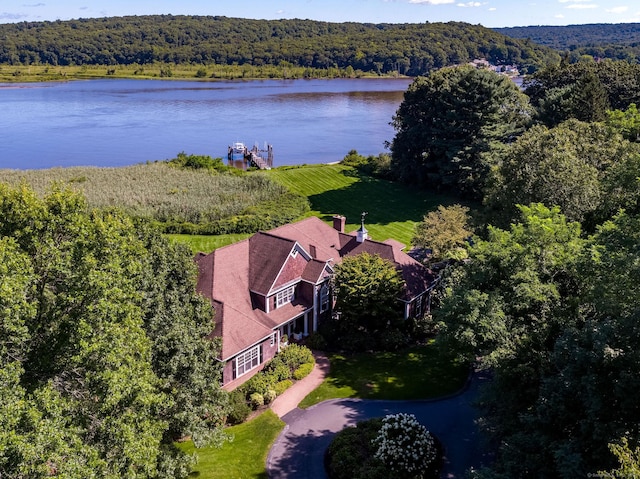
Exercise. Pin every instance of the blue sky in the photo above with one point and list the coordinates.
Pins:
(490, 13)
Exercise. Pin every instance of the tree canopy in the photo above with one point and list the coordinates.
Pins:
(555, 316)
(447, 123)
(410, 49)
(104, 359)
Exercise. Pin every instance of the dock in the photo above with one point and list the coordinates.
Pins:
(242, 157)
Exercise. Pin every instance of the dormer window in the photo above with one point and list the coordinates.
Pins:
(285, 296)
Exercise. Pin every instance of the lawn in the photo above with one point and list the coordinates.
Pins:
(244, 457)
(207, 243)
(419, 372)
(393, 208)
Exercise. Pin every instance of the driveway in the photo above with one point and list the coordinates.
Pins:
(298, 452)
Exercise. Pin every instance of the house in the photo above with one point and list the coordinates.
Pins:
(277, 283)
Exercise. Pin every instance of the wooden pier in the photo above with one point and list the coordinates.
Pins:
(240, 156)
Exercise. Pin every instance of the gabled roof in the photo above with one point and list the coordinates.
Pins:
(267, 255)
(267, 261)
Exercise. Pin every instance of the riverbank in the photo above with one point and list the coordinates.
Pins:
(160, 71)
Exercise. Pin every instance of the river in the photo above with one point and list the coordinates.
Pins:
(123, 122)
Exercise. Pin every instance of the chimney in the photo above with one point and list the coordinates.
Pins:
(338, 223)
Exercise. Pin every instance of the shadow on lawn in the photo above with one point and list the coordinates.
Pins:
(385, 201)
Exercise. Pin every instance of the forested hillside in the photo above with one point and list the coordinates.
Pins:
(410, 49)
(616, 41)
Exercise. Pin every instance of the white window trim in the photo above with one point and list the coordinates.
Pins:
(251, 357)
(324, 298)
(285, 296)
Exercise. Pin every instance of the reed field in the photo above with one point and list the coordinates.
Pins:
(393, 208)
(180, 199)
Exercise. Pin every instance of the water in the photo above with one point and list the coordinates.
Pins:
(123, 122)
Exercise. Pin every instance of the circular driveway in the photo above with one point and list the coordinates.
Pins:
(298, 452)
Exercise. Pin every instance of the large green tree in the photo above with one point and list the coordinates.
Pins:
(367, 288)
(566, 166)
(85, 398)
(447, 123)
(445, 232)
(507, 307)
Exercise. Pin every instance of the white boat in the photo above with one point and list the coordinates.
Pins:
(239, 148)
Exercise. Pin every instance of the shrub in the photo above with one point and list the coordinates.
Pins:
(351, 454)
(303, 371)
(317, 341)
(278, 369)
(260, 383)
(256, 400)
(270, 396)
(404, 445)
(391, 340)
(239, 410)
(282, 386)
(295, 355)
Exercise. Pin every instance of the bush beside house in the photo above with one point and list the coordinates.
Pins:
(294, 362)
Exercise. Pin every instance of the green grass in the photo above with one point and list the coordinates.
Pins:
(393, 208)
(244, 457)
(419, 372)
(207, 243)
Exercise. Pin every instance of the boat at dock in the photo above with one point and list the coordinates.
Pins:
(242, 157)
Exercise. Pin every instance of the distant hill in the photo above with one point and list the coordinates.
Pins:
(604, 40)
(410, 49)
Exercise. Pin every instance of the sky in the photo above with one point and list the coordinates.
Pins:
(490, 13)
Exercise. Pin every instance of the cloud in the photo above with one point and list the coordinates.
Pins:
(559, 15)
(617, 9)
(35, 5)
(12, 16)
(575, 1)
(470, 4)
(493, 9)
(432, 2)
(581, 6)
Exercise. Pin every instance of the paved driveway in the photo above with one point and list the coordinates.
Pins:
(298, 451)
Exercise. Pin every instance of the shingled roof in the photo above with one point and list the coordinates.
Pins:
(228, 275)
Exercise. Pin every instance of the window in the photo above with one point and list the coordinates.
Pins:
(248, 360)
(273, 339)
(417, 308)
(285, 296)
(324, 298)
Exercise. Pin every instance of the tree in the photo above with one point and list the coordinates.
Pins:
(585, 100)
(367, 288)
(178, 321)
(563, 387)
(626, 122)
(563, 166)
(445, 232)
(505, 309)
(447, 123)
(84, 397)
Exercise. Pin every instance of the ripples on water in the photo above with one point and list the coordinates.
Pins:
(120, 122)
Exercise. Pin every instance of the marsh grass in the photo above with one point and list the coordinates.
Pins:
(159, 191)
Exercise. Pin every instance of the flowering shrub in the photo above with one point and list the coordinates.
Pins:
(404, 445)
